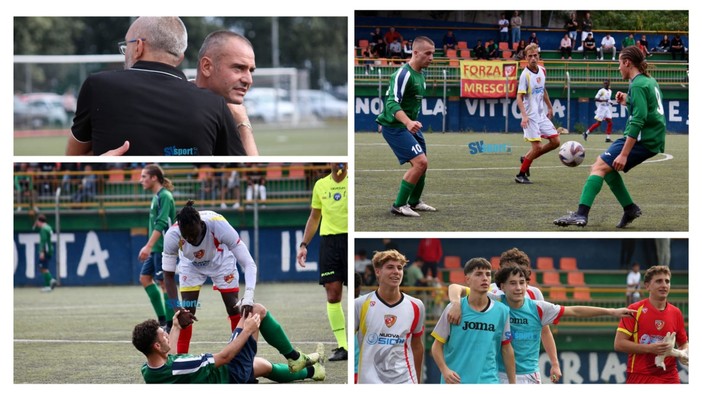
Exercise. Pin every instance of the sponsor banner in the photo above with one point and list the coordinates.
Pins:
(486, 79)
(89, 258)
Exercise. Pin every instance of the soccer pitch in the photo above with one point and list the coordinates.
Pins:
(477, 192)
(83, 334)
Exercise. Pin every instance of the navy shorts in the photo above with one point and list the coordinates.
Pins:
(333, 259)
(404, 144)
(45, 262)
(638, 154)
(152, 267)
(241, 367)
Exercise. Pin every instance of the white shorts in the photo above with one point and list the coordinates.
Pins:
(603, 112)
(538, 129)
(223, 273)
(531, 378)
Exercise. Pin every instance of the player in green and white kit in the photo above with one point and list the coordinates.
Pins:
(46, 251)
(644, 137)
(402, 130)
(161, 217)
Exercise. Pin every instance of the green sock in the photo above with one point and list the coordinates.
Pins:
(406, 189)
(592, 187)
(281, 374)
(417, 192)
(274, 334)
(47, 278)
(616, 184)
(168, 308)
(156, 299)
(338, 323)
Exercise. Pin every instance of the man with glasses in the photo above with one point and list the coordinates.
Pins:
(150, 108)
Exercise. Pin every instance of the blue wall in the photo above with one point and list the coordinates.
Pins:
(110, 257)
(488, 114)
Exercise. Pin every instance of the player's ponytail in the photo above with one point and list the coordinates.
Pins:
(157, 171)
(637, 58)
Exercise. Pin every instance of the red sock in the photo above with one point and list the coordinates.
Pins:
(184, 339)
(234, 320)
(609, 126)
(593, 127)
(525, 165)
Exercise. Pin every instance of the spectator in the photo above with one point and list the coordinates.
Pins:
(608, 45)
(377, 43)
(479, 51)
(566, 46)
(26, 192)
(430, 252)
(395, 49)
(534, 40)
(449, 41)
(629, 41)
(390, 37)
(677, 47)
(644, 45)
(516, 23)
(369, 276)
(664, 44)
(208, 186)
(407, 49)
(643, 48)
(88, 186)
(361, 262)
(519, 52)
(256, 184)
(413, 275)
(663, 251)
(492, 50)
(231, 188)
(572, 27)
(633, 284)
(586, 29)
(589, 45)
(503, 24)
(389, 244)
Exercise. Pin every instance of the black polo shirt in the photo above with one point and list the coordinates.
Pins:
(155, 108)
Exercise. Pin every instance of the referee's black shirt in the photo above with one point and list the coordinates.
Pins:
(155, 108)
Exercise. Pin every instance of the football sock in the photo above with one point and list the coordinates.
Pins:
(184, 339)
(234, 321)
(281, 374)
(593, 127)
(156, 299)
(609, 127)
(47, 278)
(338, 323)
(616, 184)
(525, 166)
(274, 334)
(168, 308)
(417, 192)
(592, 187)
(406, 189)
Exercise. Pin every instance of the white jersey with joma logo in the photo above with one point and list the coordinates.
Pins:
(604, 105)
(384, 334)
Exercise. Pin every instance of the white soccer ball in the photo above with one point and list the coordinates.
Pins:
(572, 153)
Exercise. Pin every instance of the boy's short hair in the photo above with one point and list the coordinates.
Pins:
(380, 258)
(476, 263)
(655, 270)
(504, 273)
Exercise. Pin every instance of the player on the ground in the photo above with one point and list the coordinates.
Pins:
(330, 206)
(536, 109)
(510, 258)
(210, 247)
(161, 217)
(402, 130)
(389, 326)
(46, 251)
(603, 99)
(235, 363)
(657, 326)
(468, 352)
(644, 137)
(528, 317)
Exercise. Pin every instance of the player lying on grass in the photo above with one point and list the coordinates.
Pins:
(527, 317)
(235, 363)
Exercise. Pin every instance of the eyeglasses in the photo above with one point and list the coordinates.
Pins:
(122, 45)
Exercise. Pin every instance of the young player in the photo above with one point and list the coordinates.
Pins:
(603, 99)
(402, 130)
(46, 251)
(651, 334)
(161, 217)
(536, 109)
(210, 247)
(644, 137)
(389, 326)
(235, 363)
(468, 352)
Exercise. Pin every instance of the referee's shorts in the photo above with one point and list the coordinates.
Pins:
(333, 259)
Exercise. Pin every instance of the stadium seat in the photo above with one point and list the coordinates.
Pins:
(557, 293)
(576, 278)
(363, 43)
(544, 263)
(462, 45)
(515, 45)
(453, 262)
(116, 175)
(454, 63)
(504, 46)
(506, 54)
(274, 171)
(457, 276)
(451, 54)
(495, 262)
(532, 279)
(296, 172)
(568, 264)
(550, 278)
(582, 294)
(465, 53)
(136, 175)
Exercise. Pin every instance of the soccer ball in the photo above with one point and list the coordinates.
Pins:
(571, 154)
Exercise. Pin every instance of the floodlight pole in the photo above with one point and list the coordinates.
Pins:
(506, 105)
(568, 102)
(58, 236)
(443, 120)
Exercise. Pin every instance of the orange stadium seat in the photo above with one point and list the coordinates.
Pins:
(495, 262)
(504, 46)
(544, 263)
(465, 53)
(454, 63)
(506, 54)
(451, 54)
(557, 293)
(532, 279)
(582, 294)
(116, 175)
(515, 45)
(576, 278)
(551, 278)
(363, 43)
(296, 172)
(457, 276)
(462, 45)
(453, 262)
(274, 171)
(568, 264)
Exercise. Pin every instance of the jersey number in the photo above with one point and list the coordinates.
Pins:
(417, 149)
(660, 102)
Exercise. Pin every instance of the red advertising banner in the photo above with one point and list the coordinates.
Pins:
(487, 79)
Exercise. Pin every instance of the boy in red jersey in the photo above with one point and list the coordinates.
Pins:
(643, 337)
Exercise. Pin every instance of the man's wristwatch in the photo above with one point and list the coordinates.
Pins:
(303, 244)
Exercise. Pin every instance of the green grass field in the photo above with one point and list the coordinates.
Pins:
(329, 139)
(83, 334)
(478, 192)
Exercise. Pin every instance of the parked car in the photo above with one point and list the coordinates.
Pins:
(321, 104)
(269, 105)
(43, 109)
